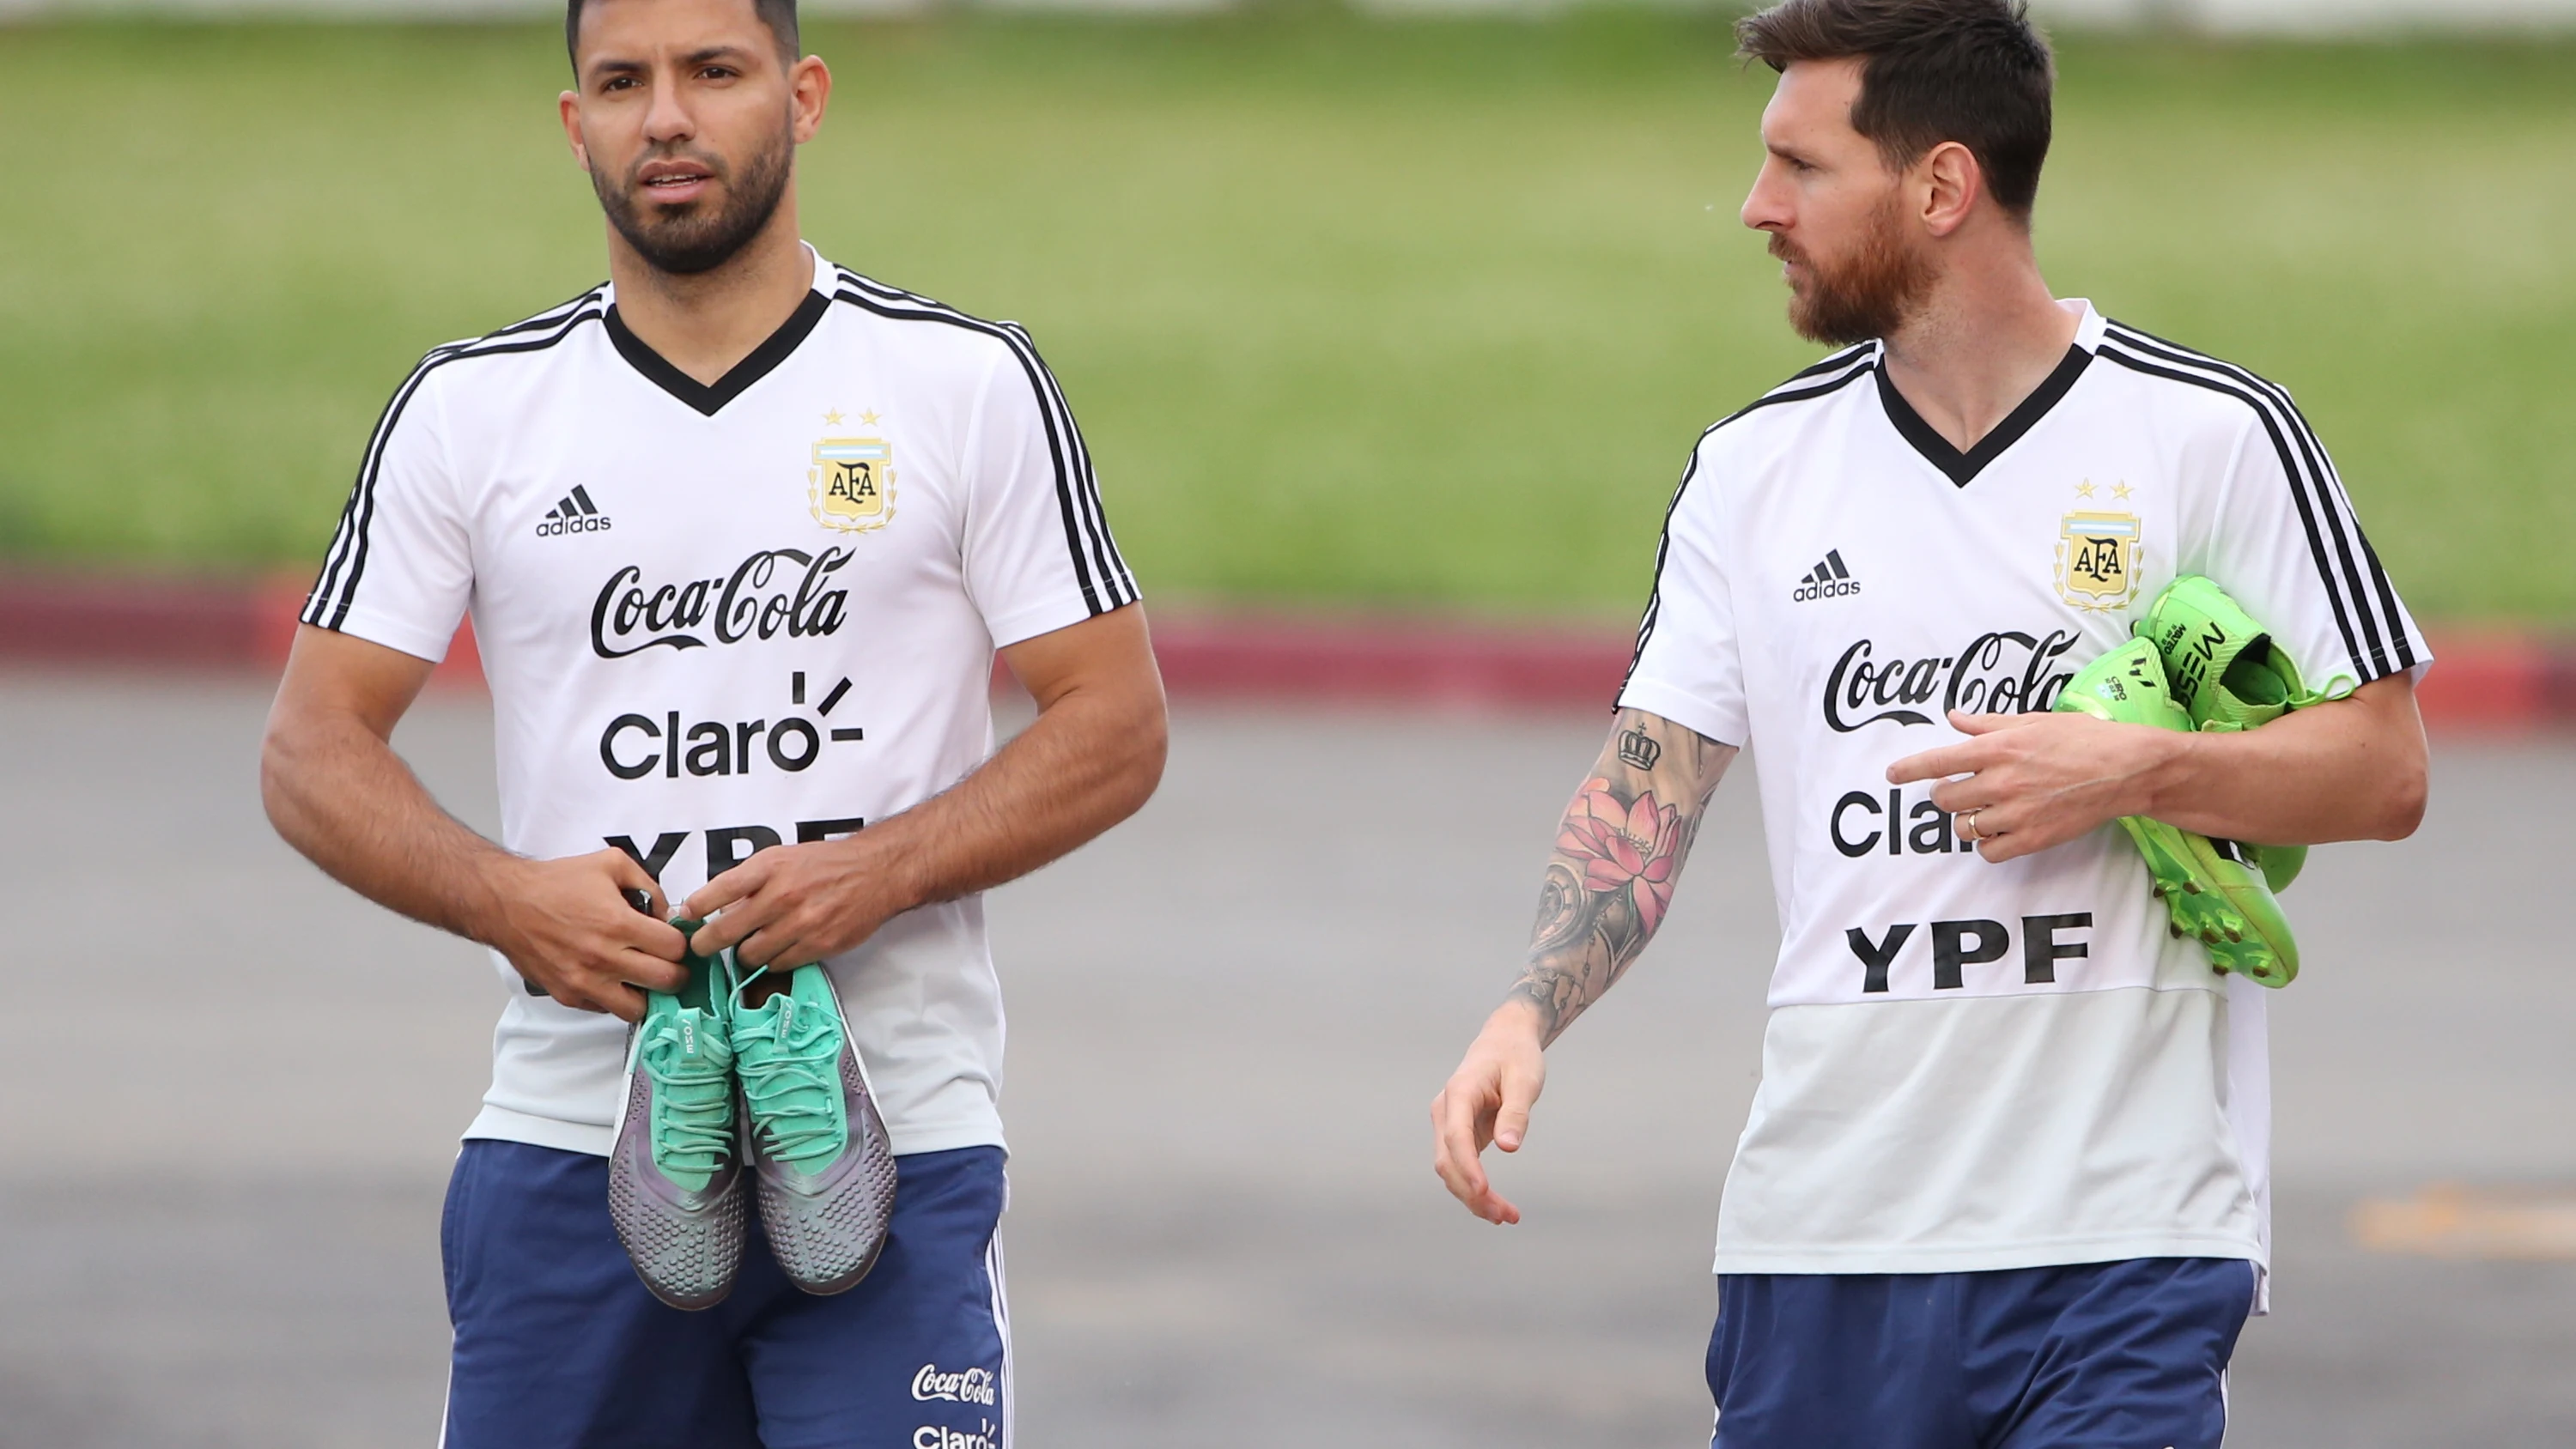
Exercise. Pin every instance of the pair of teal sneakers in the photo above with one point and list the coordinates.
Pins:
(718, 1090)
(2199, 662)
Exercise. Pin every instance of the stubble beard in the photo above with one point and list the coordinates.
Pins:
(1869, 294)
(697, 237)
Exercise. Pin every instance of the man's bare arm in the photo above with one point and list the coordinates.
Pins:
(1619, 853)
(1091, 759)
(2351, 770)
(336, 791)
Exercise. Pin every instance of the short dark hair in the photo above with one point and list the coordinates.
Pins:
(778, 15)
(1972, 71)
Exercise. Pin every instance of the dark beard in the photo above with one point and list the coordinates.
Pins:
(687, 240)
(1868, 295)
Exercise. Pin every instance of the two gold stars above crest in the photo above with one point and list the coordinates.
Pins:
(832, 419)
(2120, 491)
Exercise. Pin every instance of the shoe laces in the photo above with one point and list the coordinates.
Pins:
(788, 1058)
(691, 1065)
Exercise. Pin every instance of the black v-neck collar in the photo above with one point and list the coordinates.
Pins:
(1960, 467)
(708, 398)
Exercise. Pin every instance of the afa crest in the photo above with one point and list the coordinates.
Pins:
(2097, 560)
(851, 485)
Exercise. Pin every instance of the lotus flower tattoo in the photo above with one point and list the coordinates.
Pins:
(1631, 846)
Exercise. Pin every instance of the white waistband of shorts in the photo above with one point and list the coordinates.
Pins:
(503, 1125)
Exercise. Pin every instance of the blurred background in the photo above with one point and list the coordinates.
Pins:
(1413, 313)
(1387, 322)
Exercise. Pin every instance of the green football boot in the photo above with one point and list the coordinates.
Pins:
(2228, 675)
(819, 1154)
(675, 1172)
(2210, 892)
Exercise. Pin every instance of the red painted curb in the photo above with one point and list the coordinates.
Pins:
(71, 619)
(140, 622)
(2487, 681)
(1391, 660)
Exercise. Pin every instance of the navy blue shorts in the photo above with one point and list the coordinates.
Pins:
(2128, 1355)
(558, 1345)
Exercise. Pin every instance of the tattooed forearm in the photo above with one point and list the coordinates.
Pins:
(1618, 854)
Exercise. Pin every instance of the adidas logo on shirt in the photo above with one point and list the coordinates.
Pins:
(1828, 580)
(576, 514)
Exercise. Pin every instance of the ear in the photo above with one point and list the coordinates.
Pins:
(810, 84)
(1951, 182)
(569, 103)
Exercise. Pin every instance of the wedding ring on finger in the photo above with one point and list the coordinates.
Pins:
(1968, 832)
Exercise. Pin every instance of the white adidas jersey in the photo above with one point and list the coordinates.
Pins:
(719, 618)
(1970, 1065)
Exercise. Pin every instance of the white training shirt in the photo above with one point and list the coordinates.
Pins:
(719, 618)
(1969, 1065)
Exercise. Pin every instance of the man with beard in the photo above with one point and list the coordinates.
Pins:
(2005, 1178)
(741, 533)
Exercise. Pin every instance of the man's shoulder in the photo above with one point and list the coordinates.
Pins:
(1795, 403)
(537, 339)
(930, 334)
(530, 336)
(2225, 394)
(493, 365)
(1768, 433)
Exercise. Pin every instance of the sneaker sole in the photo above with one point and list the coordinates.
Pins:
(2218, 902)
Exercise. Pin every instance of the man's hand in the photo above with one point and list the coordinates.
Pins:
(1488, 1099)
(565, 925)
(791, 905)
(1090, 759)
(338, 793)
(2037, 780)
(1619, 853)
(2352, 769)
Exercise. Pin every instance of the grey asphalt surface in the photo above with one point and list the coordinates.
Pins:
(229, 1092)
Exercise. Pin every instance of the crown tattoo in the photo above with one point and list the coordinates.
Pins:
(1638, 748)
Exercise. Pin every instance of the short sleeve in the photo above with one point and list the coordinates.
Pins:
(1038, 553)
(400, 570)
(1688, 667)
(2287, 545)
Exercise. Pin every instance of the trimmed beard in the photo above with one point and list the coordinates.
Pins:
(693, 238)
(1867, 295)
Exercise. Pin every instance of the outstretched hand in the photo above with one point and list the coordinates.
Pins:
(2026, 782)
(1488, 1100)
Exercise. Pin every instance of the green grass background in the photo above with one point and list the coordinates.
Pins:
(1415, 315)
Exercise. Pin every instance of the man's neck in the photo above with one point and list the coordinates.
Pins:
(1984, 341)
(704, 324)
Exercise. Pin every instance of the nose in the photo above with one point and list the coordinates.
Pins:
(667, 119)
(1766, 206)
